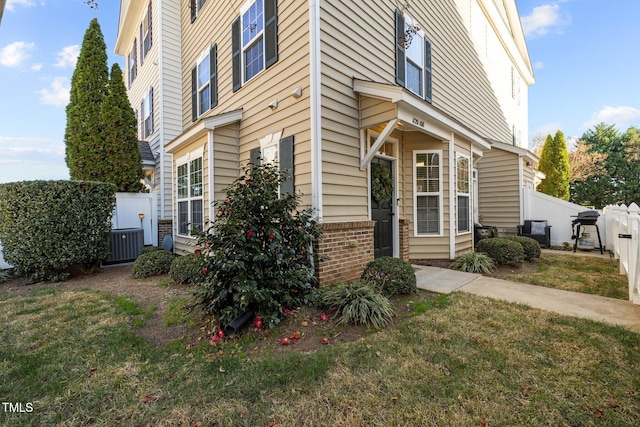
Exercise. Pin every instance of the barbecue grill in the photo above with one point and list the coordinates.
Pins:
(582, 219)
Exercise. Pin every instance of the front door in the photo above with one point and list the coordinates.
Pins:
(382, 184)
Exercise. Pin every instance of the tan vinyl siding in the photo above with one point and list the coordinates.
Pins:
(292, 116)
(499, 189)
(226, 162)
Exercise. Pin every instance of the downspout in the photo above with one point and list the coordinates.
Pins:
(159, 68)
(452, 201)
(315, 108)
(521, 189)
(211, 175)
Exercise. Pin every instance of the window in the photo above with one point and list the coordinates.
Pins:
(427, 175)
(196, 5)
(147, 114)
(132, 62)
(204, 83)
(254, 40)
(463, 192)
(413, 58)
(275, 150)
(145, 34)
(190, 197)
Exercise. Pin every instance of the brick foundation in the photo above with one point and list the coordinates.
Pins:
(165, 226)
(403, 250)
(345, 248)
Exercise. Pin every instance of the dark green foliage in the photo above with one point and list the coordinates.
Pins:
(152, 264)
(554, 163)
(49, 227)
(5, 276)
(473, 262)
(390, 276)
(358, 303)
(187, 269)
(503, 251)
(148, 249)
(101, 135)
(258, 251)
(122, 164)
(530, 246)
(83, 134)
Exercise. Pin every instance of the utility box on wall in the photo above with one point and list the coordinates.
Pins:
(125, 244)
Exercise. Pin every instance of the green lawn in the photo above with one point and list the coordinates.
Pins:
(591, 275)
(464, 361)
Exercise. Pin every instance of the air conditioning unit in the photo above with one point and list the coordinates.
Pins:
(125, 244)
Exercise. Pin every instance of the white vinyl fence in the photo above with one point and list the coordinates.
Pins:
(622, 224)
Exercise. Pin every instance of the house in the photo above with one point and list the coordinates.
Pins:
(149, 40)
(382, 113)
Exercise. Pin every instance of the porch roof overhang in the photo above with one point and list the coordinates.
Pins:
(204, 125)
(521, 152)
(418, 115)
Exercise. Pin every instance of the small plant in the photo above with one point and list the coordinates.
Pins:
(5, 276)
(530, 246)
(152, 264)
(390, 276)
(473, 262)
(187, 269)
(358, 303)
(566, 246)
(503, 251)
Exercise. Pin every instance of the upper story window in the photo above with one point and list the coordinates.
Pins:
(147, 114)
(204, 83)
(132, 65)
(145, 34)
(413, 58)
(196, 5)
(254, 40)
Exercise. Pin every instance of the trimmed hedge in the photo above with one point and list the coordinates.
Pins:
(390, 276)
(530, 246)
(188, 269)
(503, 251)
(50, 228)
(152, 263)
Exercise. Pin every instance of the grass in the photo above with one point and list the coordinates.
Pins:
(132, 308)
(465, 360)
(591, 275)
(175, 312)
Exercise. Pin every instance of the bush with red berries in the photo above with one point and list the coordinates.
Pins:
(258, 250)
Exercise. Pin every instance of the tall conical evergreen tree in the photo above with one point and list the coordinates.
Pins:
(83, 135)
(122, 165)
(554, 163)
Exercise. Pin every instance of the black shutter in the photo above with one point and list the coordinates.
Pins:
(255, 156)
(213, 68)
(142, 132)
(192, 4)
(135, 59)
(428, 88)
(194, 94)
(149, 21)
(400, 55)
(141, 45)
(151, 110)
(236, 51)
(270, 32)
(285, 163)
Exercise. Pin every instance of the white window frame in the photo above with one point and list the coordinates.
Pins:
(421, 193)
(197, 5)
(247, 43)
(418, 37)
(466, 194)
(204, 59)
(147, 115)
(194, 192)
(132, 65)
(146, 34)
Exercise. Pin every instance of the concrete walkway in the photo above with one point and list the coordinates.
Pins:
(609, 310)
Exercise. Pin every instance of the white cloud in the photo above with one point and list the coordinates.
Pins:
(12, 3)
(68, 56)
(26, 158)
(621, 117)
(36, 67)
(14, 54)
(538, 65)
(543, 19)
(57, 94)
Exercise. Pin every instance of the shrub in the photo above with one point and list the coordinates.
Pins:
(50, 228)
(152, 264)
(503, 251)
(390, 276)
(148, 249)
(5, 276)
(530, 246)
(187, 269)
(358, 303)
(257, 251)
(473, 262)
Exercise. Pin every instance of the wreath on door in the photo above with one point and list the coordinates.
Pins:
(381, 183)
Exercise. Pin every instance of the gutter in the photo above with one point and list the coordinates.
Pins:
(316, 108)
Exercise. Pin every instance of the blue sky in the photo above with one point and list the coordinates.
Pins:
(584, 52)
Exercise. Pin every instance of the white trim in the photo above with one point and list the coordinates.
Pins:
(379, 141)
(316, 108)
(452, 225)
(520, 188)
(246, 44)
(211, 159)
(468, 194)
(212, 122)
(440, 194)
